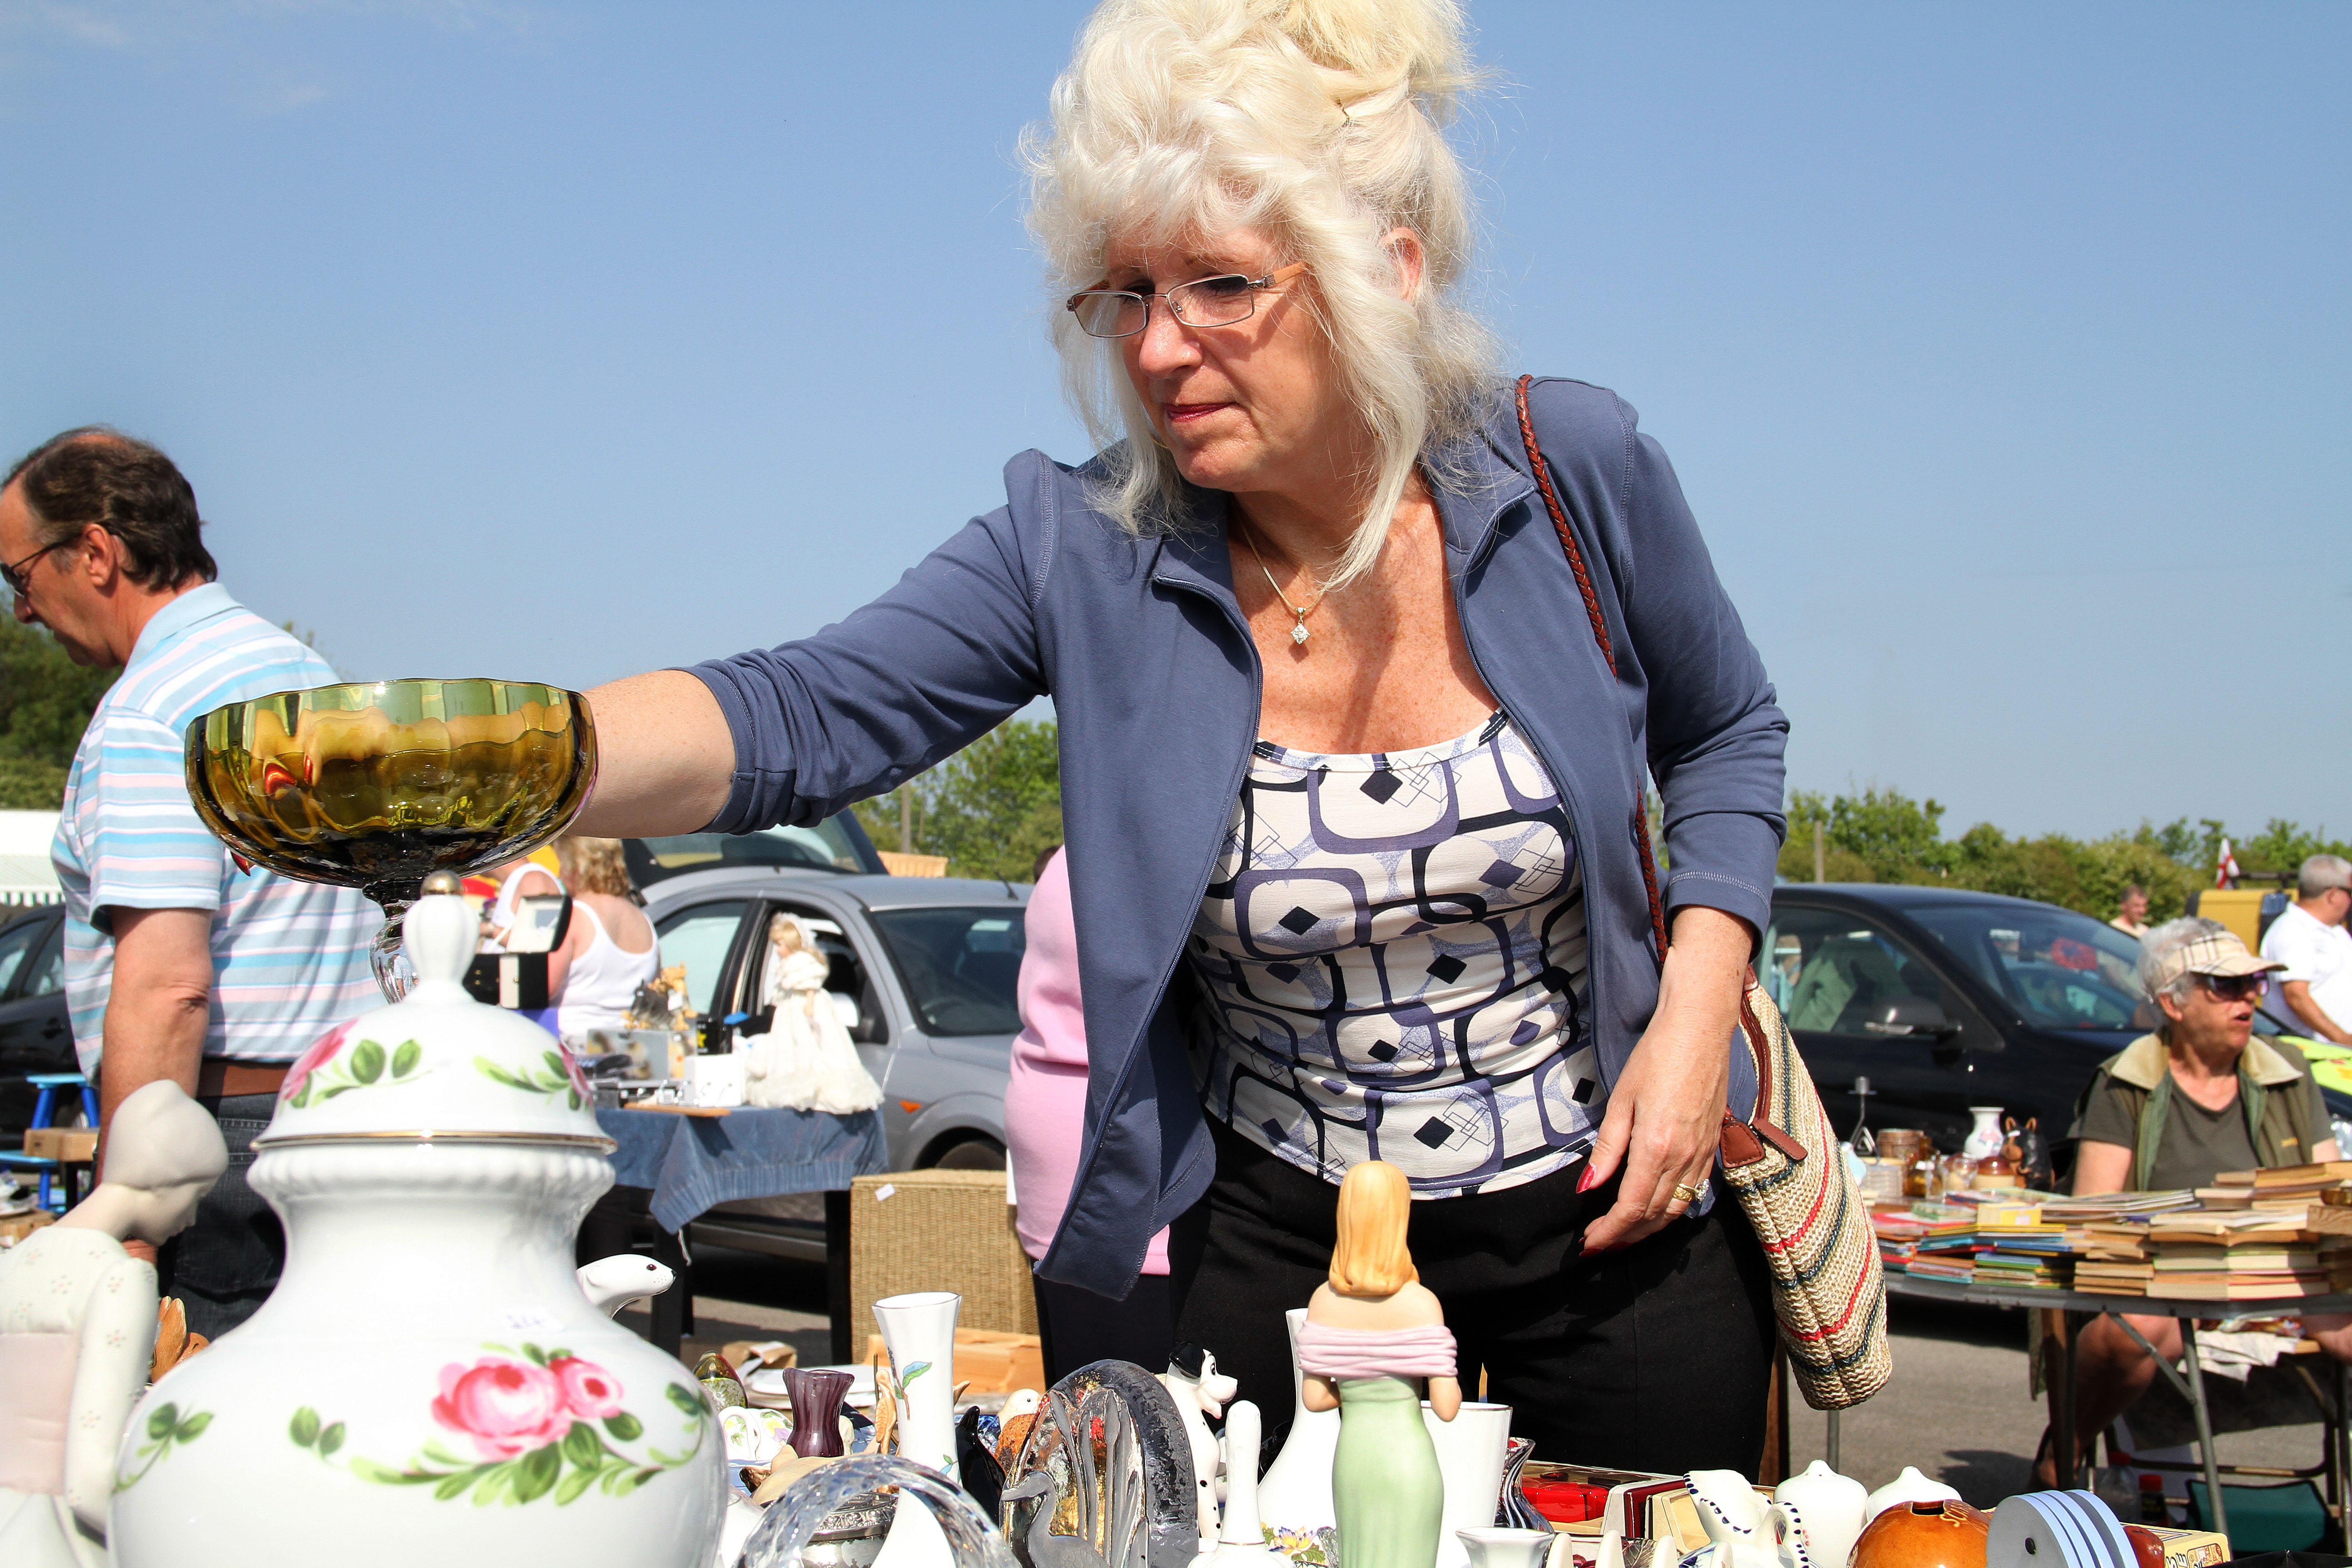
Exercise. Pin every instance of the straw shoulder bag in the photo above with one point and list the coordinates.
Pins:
(1783, 1163)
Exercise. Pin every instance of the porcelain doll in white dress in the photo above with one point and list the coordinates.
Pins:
(805, 1061)
(77, 1327)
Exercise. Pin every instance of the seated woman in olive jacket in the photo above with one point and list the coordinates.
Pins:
(2174, 1109)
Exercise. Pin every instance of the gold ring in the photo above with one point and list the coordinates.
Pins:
(1685, 1194)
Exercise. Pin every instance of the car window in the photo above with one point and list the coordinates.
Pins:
(699, 936)
(830, 845)
(2059, 969)
(16, 948)
(847, 989)
(1830, 971)
(961, 968)
(50, 969)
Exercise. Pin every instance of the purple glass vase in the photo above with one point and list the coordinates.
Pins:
(816, 1396)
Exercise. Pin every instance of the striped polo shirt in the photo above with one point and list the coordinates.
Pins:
(290, 959)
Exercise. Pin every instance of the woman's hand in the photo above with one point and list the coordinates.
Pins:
(1665, 1111)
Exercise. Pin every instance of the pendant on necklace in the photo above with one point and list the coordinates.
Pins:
(1298, 632)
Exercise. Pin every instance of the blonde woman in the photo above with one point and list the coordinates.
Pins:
(805, 1061)
(1352, 789)
(1374, 1333)
(609, 949)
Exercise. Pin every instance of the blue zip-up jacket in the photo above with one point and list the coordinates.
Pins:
(1155, 683)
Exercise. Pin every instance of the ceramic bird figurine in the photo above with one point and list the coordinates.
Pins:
(614, 1282)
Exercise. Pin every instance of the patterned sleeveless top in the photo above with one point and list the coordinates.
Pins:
(1391, 956)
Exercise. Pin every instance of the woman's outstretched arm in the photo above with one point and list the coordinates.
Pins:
(665, 757)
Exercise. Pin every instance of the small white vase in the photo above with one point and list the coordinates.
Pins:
(1728, 1508)
(1908, 1487)
(1817, 1515)
(919, 1332)
(1984, 1139)
(1241, 1538)
(1471, 1450)
(1498, 1547)
(1295, 1493)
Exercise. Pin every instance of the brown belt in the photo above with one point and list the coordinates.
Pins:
(216, 1078)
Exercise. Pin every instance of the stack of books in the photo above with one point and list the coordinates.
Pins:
(2284, 1187)
(1993, 1243)
(2252, 1255)
(2114, 1260)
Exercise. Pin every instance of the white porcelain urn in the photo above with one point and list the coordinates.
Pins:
(428, 1384)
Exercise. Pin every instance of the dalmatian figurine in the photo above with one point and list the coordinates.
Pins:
(1200, 1391)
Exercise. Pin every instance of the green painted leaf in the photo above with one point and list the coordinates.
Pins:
(624, 1426)
(912, 1373)
(559, 1353)
(330, 1439)
(495, 1479)
(452, 1486)
(404, 1060)
(535, 1353)
(583, 1447)
(537, 1471)
(574, 1485)
(327, 1094)
(191, 1430)
(367, 1469)
(689, 1402)
(301, 1096)
(304, 1428)
(160, 1424)
(571, 1096)
(554, 1062)
(367, 1061)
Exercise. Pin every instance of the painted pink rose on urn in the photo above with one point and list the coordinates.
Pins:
(588, 1388)
(507, 1406)
(322, 1051)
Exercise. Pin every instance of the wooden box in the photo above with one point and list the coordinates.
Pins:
(76, 1143)
(938, 1230)
(991, 1362)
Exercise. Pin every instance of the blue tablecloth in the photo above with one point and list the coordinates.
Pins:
(692, 1162)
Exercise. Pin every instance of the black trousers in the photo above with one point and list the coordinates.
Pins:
(1078, 1327)
(224, 1266)
(1655, 1357)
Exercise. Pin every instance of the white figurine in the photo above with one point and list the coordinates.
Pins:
(77, 1326)
(805, 1061)
(1199, 1391)
(622, 1279)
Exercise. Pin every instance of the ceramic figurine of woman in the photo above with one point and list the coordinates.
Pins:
(805, 1061)
(1372, 1334)
(78, 1324)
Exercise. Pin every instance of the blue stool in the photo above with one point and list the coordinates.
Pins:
(45, 1110)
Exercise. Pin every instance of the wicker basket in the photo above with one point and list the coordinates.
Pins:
(938, 1230)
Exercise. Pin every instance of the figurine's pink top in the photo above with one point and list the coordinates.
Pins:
(1045, 1100)
(1328, 1352)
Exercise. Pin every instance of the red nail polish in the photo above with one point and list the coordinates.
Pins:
(1585, 1181)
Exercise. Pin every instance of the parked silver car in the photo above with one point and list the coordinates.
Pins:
(924, 974)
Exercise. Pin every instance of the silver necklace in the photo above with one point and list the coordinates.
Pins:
(1298, 633)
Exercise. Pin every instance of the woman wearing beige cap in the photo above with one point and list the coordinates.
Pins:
(2175, 1108)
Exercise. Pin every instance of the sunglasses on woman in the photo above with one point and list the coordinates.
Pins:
(2236, 987)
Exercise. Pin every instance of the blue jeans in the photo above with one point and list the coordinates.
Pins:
(224, 1266)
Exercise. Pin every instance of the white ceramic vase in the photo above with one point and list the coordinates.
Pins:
(1471, 1450)
(1908, 1487)
(1817, 1515)
(1728, 1508)
(1984, 1139)
(1240, 1537)
(1295, 1493)
(428, 1383)
(919, 1332)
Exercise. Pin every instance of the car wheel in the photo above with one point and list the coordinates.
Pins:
(976, 1153)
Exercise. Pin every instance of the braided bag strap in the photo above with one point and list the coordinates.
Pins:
(1828, 1290)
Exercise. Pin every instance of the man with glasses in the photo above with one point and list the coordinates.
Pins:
(2314, 952)
(179, 964)
(2175, 1108)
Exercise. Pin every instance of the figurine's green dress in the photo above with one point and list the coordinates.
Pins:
(1385, 1486)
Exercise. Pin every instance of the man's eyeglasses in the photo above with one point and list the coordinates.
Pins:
(2236, 987)
(18, 575)
(1217, 302)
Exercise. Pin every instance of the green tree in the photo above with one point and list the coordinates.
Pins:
(991, 809)
(45, 701)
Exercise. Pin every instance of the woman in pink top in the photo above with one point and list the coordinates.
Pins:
(1045, 1115)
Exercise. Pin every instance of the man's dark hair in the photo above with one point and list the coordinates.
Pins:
(132, 489)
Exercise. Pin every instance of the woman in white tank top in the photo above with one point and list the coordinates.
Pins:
(610, 950)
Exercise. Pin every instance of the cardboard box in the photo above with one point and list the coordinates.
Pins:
(2189, 1548)
(16, 1227)
(938, 1230)
(75, 1143)
(992, 1362)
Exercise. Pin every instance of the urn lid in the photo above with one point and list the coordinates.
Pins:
(437, 1064)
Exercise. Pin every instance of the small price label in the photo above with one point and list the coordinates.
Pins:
(522, 1320)
(885, 1193)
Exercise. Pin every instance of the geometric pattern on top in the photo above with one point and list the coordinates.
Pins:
(1391, 963)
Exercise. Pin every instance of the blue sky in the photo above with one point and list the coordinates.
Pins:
(2001, 348)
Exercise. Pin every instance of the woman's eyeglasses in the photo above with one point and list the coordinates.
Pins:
(1217, 302)
(2236, 987)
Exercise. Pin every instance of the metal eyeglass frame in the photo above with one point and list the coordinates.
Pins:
(1275, 279)
(19, 575)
